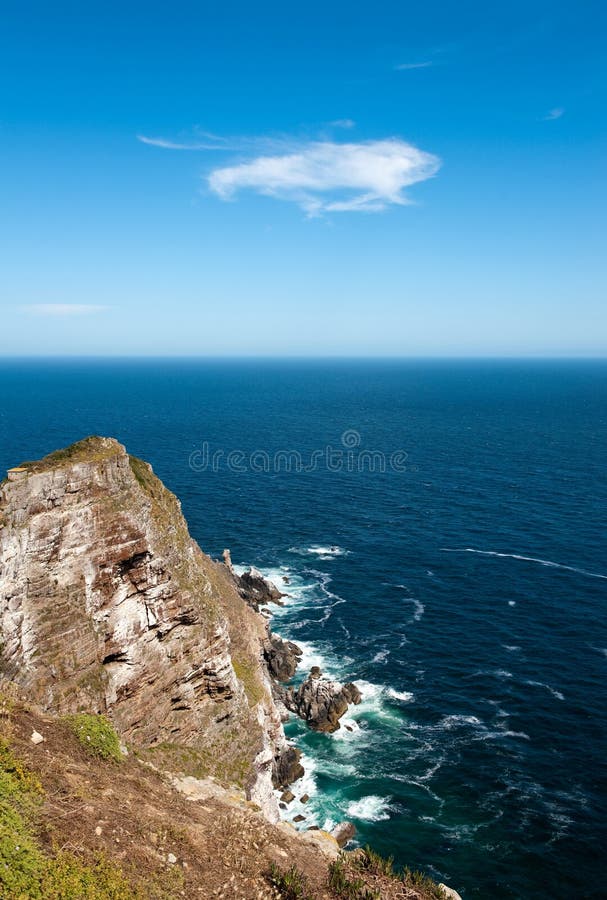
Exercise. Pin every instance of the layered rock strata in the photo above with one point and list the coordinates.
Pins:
(107, 604)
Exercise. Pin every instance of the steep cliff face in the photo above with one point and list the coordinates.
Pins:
(107, 604)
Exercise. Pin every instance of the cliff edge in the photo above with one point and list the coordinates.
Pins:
(108, 605)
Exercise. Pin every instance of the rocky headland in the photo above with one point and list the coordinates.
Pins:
(109, 607)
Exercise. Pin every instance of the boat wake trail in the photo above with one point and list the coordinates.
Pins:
(533, 559)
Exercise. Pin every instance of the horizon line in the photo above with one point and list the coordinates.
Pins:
(230, 357)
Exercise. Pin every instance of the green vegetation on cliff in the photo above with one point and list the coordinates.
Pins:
(97, 735)
(90, 450)
(26, 873)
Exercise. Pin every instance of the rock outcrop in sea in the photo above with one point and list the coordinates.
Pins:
(320, 701)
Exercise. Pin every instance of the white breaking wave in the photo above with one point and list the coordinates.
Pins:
(381, 657)
(496, 673)
(405, 696)
(369, 809)
(310, 657)
(321, 551)
(551, 690)
(418, 607)
(449, 722)
(502, 733)
(304, 785)
(534, 559)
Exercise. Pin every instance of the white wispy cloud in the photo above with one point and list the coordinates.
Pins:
(202, 141)
(319, 175)
(555, 113)
(62, 309)
(325, 176)
(405, 67)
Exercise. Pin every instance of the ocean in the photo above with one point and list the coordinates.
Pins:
(440, 528)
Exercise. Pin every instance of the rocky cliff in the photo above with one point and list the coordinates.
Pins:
(108, 605)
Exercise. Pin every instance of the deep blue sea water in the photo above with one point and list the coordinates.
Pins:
(464, 586)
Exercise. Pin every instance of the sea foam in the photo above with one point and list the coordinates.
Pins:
(369, 809)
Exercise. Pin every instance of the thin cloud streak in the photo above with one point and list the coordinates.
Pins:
(324, 176)
(208, 142)
(405, 67)
(62, 309)
(555, 113)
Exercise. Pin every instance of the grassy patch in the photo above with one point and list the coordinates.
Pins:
(348, 888)
(290, 883)
(90, 449)
(245, 672)
(369, 861)
(416, 879)
(97, 735)
(143, 474)
(27, 873)
(20, 796)
(372, 862)
(66, 878)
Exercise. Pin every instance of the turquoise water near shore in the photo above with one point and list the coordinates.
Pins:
(457, 572)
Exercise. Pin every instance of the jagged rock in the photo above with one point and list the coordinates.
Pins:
(304, 798)
(299, 818)
(319, 701)
(282, 657)
(257, 589)
(287, 767)
(252, 586)
(288, 797)
(108, 605)
(352, 693)
(343, 833)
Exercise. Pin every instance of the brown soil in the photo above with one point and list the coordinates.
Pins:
(130, 812)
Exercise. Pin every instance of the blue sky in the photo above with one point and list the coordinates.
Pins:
(380, 178)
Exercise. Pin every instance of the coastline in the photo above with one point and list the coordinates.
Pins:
(376, 700)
